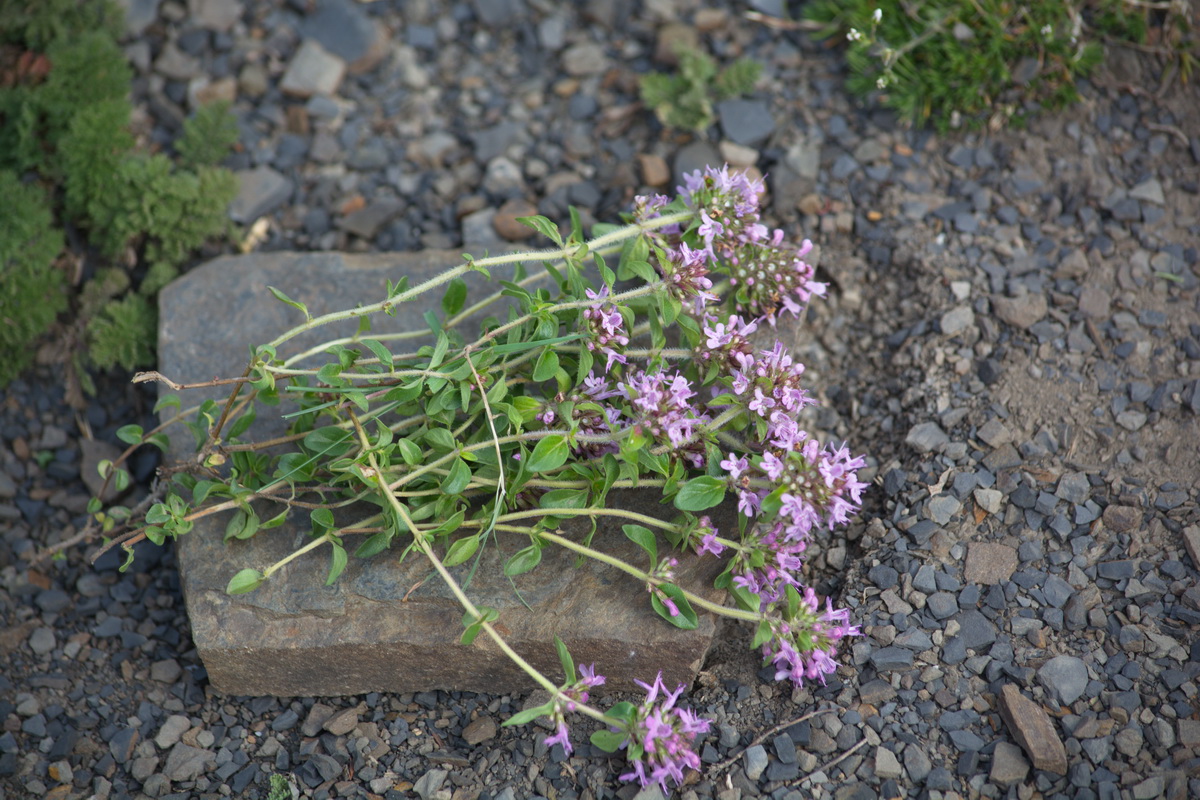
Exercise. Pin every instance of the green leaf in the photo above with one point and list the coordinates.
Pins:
(457, 480)
(159, 440)
(329, 441)
(564, 656)
(441, 439)
(121, 480)
(376, 544)
(461, 550)
(381, 352)
(529, 714)
(608, 741)
(242, 525)
(455, 297)
(439, 350)
(157, 514)
(168, 401)
(523, 560)
(762, 635)
(700, 493)
(280, 296)
(565, 498)
(409, 452)
(470, 633)
(94, 505)
(772, 503)
(245, 581)
(242, 423)
(130, 434)
(550, 453)
(544, 227)
(686, 619)
(322, 520)
(547, 365)
(643, 270)
(337, 561)
(643, 538)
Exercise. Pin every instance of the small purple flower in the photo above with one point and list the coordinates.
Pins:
(665, 736)
(560, 737)
(709, 544)
(735, 466)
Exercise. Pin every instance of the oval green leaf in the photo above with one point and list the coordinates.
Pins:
(550, 453)
(461, 550)
(245, 581)
(700, 493)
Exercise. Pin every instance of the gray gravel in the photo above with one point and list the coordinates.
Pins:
(1012, 338)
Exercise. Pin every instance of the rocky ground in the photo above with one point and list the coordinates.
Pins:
(1012, 336)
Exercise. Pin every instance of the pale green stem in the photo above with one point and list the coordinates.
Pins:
(423, 543)
(645, 577)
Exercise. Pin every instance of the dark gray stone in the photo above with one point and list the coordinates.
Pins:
(344, 30)
(746, 122)
(297, 637)
(1065, 678)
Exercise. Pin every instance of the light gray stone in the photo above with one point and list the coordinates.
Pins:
(926, 437)
(1020, 312)
(1065, 678)
(174, 727)
(989, 563)
(585, 58)
(886, 764)
(216, 15)
(957, 320)
(312, 70)
(261, 191)
(756, 761)
(1008, 765)
(185, 763)
(42, 641)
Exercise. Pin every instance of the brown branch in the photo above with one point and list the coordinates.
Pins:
(147, 377)
(729, 762)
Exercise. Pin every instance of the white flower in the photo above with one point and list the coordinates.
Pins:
(854, 35)
(881, 82)
(878, 15)
(1047, 30)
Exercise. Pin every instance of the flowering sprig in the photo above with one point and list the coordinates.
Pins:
(658, 736)
(533, 420)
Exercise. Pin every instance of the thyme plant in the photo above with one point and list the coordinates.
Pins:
(644, 379)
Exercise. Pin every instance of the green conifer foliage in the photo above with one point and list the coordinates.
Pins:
(33, 289)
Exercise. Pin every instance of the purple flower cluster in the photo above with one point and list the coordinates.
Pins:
(661, 738)
(661, 407)
(576, 693)
(802, 647)
(766, 276)
(686, 274)
(605, 327)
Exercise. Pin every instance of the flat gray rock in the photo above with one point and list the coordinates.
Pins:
(385, 625)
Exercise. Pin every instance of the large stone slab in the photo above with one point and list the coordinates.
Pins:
(385, 625)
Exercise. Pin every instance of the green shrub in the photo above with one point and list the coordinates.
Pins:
(123, 333)
(72, 128)
(685, 100)
(33, 288)
(208, 135)
(37, 23)
(971, 62)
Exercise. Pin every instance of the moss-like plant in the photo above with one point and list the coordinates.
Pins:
(685, 100)
(64, 115)
(32, 294)
(974, 62)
